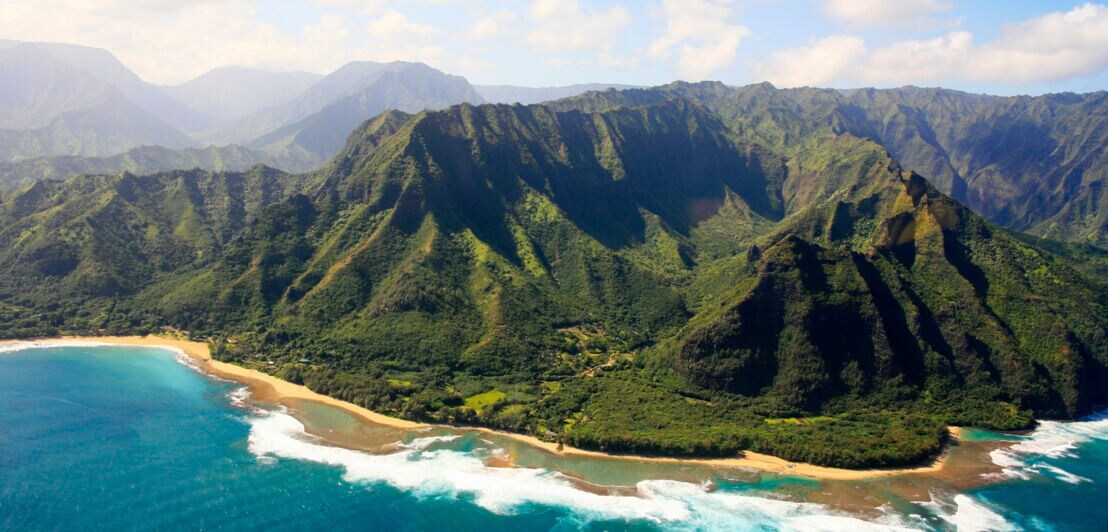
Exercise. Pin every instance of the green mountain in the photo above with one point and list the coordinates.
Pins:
(141, 160)
(530, 95)
(1034, 165)
(92, 240)
(639, 271)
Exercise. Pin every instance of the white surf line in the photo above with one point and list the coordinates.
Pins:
(1050, 440)
(506, 490)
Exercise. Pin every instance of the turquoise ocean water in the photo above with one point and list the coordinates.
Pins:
(118, 438)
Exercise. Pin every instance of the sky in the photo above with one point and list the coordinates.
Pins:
(997, 47)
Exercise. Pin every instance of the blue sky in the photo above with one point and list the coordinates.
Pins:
(1010, 47)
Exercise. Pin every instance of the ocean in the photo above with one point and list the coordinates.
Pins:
(125, 438)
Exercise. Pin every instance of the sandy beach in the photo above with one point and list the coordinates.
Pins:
(279, 390)
(748, 460)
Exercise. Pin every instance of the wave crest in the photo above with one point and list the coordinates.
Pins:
(966, 513)
(1050, 440)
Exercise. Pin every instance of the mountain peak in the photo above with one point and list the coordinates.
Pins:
(316, 124)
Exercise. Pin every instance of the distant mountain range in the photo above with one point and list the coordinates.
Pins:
(313, 126)
(529, 95)
(69, 100)
(1033, 164)
(103, 66)
(66, 100)
(49, 107)
(141, 160)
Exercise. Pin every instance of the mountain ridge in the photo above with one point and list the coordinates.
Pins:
(140, 160)
(70, 111)
(301, 119)
(407, 87)
(941, 133)
(530, 95)
(103, 65)
(349, 79)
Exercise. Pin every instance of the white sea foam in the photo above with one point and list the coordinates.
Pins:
(504, 490)
(1011, 465)
(973, 515)
(423, 443)
(23, 345)
(966, 513)
(239, 396)
(1063, 475)
(498, 453)
(1050, 440)
(182, 358)
(12, 347)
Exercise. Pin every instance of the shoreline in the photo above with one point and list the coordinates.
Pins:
(747, 460)
(280, 390)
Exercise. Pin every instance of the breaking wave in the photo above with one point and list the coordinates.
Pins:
(506, 490)
(1050, 440)
(423, 443)
(965, 513)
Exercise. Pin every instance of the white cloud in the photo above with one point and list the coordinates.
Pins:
(826, 62)
(606, 59)
(558, 62)
(1052, 47)
(701, 34)
(918, 62)
(394, 25)
(469, 64)
(330, 28)
(561, 25)
(394, 37)
(113, 6)
(869, 13)
(170, 42)
(491, 26)
(364, 6)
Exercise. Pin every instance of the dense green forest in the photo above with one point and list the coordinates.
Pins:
(686, 270)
